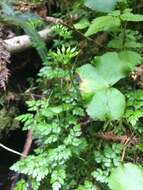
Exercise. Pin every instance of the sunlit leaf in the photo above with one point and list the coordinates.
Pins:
(107, 104)
(101, 6)
(83, 23)
(128, 16)
(126, 177)
(91, 79)
(109, 69)
(103, 23)
(103, 101)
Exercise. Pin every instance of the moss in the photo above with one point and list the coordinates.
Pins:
(7, 121)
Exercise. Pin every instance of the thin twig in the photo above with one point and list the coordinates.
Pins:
(126, 145)
(83, 123)
(11, 150)
(72, 28)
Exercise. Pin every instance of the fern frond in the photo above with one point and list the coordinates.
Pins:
(27, 22)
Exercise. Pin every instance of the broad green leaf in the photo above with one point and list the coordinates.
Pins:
(111, 67)
(115, 66)
(82, 24)
(128, 16)
(90, 79)
(103, 23)
(126, 177)
(96, 82)
(107, 104)
(116, 43)
(101, 6)
(131, 57)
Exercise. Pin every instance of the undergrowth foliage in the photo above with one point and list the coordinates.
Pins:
(86, 101)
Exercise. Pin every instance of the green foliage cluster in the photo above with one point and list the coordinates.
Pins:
(134, 109)
(108, 159)
(82, 94)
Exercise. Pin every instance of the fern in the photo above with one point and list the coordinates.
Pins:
(134, 109)
(27, 22)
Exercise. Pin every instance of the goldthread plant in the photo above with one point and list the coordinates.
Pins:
(82, 96)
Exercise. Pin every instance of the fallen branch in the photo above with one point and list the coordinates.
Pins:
(109, 136)
(54, 20)
(21, 43)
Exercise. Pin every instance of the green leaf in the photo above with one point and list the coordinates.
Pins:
(110, 68)
(107, 104)
(128, 16)
(87, 186)
(117, 43)
(126, 177)
(21, 185)
(96, 82)
(91, 79)
(113, 66)
(131, 57)
(103, 23)
(82, 24)
(101, 6)
(56, 186)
